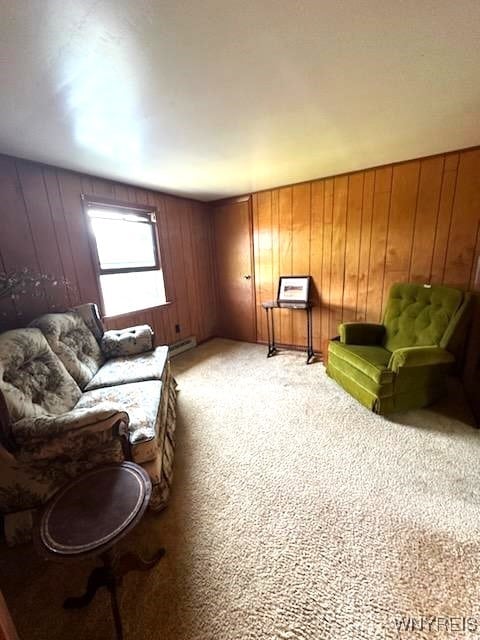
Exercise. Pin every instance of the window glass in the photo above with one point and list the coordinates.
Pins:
(123, 242)
(124, 292)
(129, 272)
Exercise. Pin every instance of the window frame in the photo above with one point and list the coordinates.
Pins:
(150, 214)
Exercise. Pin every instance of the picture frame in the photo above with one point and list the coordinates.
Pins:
(293, 289)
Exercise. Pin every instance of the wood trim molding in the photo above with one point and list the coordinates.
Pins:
(91, 199)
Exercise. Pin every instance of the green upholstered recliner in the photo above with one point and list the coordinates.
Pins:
(402, 363)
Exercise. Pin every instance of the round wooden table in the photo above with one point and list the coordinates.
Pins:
(87, 518)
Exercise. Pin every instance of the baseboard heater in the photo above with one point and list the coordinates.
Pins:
(182, 345)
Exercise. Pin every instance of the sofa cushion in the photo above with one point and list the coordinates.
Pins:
(141, 400)
(369, 360)
(419, 316)
(32, 379)
(145, 366)
(127, 342)
(73, 342)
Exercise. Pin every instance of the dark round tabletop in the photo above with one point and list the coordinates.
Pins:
(91, 513)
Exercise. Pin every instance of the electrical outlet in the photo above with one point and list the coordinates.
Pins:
(177, 328)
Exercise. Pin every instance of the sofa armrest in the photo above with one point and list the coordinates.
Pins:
(99, 418)
(71, 434)
(419, 357)
(91, 316)
(127, 342)
(366, 333)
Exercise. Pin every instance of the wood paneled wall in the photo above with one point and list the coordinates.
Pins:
(43, 227)
(356, 234)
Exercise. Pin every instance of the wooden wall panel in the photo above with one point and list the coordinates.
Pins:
(442, 232)
(264, 276)
(301, 231)
(356, 234)
(337, 261)
(63, 240)
(465, 216)
(316, 252)
(324, 292)
(380, 218)
(365, 244)
(43, 227)
(426, 218)
(352, 245)
(401, 224)
(284, 260)
(17, 247)
(35, 195)
(276, 272)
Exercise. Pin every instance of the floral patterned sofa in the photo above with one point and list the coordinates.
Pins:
(73, 396)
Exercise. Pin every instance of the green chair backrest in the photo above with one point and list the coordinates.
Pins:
(419, 315)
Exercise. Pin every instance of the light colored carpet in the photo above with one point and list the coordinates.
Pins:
(295, 514)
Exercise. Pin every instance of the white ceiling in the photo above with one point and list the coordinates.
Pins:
(211, 98)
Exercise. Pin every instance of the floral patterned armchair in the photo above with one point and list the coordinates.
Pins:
(72, 397)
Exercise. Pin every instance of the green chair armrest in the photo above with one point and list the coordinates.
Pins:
(419, 357)
(365, 333)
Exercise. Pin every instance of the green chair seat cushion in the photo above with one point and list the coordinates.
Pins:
(364, 394)
(371, 361)
(353, 377)
(383, 400)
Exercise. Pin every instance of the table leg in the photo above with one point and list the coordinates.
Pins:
(98, 578)
(110, 576)
(310, 353)
(272, 349)
(117, 620)
(132, 562)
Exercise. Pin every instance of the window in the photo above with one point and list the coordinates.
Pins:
(127, 258)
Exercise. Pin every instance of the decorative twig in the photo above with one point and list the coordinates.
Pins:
(22, 282)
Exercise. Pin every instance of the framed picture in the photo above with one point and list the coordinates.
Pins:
(293, 289)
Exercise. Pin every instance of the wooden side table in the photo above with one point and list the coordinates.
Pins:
(305, 306)
(87, 518)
